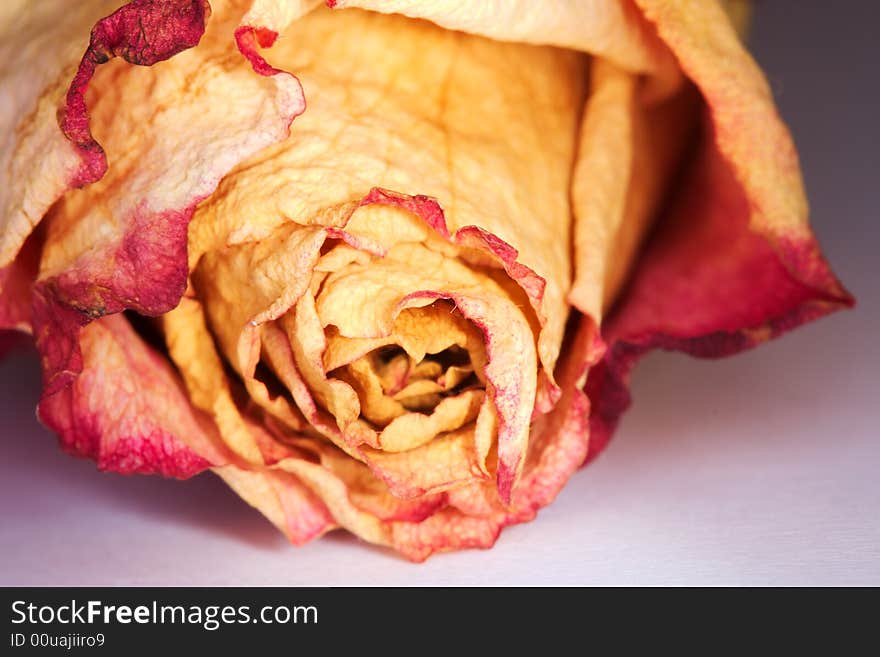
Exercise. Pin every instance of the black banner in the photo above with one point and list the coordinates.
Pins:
(405, 620)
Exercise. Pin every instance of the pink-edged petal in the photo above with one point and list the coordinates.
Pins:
(140, 210)
(733, 262)
(142, 32)
(127, 409)
(38, 161)
(710, 288)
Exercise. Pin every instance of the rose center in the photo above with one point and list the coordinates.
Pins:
(423, 364)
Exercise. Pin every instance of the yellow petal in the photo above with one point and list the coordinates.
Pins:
(448, 461)
(629, 153)
(610, 29)
(412, 430)
(192, 349)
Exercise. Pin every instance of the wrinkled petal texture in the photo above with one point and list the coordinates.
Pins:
(148, 427)
(120, 241)
(413, 312)
(402, 351)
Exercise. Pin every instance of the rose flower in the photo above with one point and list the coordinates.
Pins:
(385, 265)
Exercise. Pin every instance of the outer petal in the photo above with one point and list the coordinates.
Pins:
(191, 347)
(142, 32)
(34, 86)
(612, 29)
(127, 410)
(280, 496)
(121, 243)
(628, 156)
(734, 262)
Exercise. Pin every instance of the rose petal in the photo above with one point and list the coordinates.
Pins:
(127, 411)
(142, 32)
(447, 329)
(444, 463)
(749, 268)
(365, 492)
(290, 506)
(191, 347)
(629, 154)
(16, 282)
(412, 430)
(557, 448)
(121, 243)
(607, 28)
(34, 87)
(280, 357)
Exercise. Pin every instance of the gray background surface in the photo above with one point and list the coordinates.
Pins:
(761, 469)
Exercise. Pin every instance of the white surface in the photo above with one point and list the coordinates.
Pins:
(761, 469)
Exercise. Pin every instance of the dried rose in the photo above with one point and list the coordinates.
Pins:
(412, 313)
